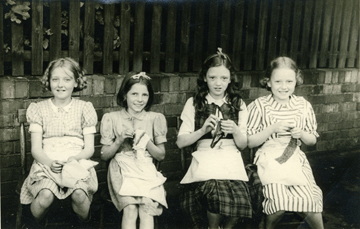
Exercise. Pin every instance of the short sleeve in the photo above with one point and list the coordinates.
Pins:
(90, 119)
(243, 117)
(34, 118)
(254, 123)
(160, 129)
(310, 120)
(106, 130)
(188, 118)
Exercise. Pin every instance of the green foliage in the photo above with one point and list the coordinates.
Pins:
(18, 11)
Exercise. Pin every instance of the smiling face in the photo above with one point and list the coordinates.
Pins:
(62, 83)
(282, 83)
(217, 79)
(137, 98)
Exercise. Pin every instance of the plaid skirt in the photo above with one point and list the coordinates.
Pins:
(230, 198)
(33, 184)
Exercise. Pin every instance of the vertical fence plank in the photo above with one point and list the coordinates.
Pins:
(124, 51)
(213, 20)
(225, 26)
(55, 27)
(354, 38)
(334, 41)
(325, 37)
(139, 35)
(185, 36)
(261, 37)
(89, 32)
(17, 48)
(295, 35)
(170, 37)
(2, 52)
(250, 35)
(345, 33)
(199, 35)
(155, 38)
(74, 29)
(284, 29)
(305, 39)
(238, 32)
(273, 32)
(109, 11)
(315, 34)
(37, 38)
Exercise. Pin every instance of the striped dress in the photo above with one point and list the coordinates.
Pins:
(265, 111)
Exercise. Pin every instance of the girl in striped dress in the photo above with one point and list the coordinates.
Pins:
(278, 124)
(62, 140)
(215, 185)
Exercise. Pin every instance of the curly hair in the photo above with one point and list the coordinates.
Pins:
(130, 79)
(281, 62)
(72, 66)
(232, 92)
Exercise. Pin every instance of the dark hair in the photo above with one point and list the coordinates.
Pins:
(281, 62)
(69, 64)
(233, 96)
(130, 79)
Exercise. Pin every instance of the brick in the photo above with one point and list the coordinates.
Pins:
(9, 134)
(349, 106)
(348, 76)
(358, 106)
(158, 98)
(7, 120)
(354, 132)
(8, 188)
(317, 99)
(7, 88)
(6, 148)
(304, 90)
(246, 81)
(341, 78)
(184, 83)
(174, 83)
(11, 106)
(36, 89)
(334, 117)
(98, 85)
(9, 174)
(354, 76)
(356, 97)
(348, 88)
(174, 98)
(158, 108)
(156, 83)
(110, 85)
(164, 84)
(344, 125)
(89, 87)
(21, 87)
(328, 77)
(173, 109)
(321, 77)
(193, 83)
(171, 121)
(10, 161)
(310, 76)
(330, 108)
(334, 98)
(119, 81)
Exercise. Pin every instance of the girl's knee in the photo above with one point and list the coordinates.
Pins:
(79, 196)
(130, 211)
(45, 198)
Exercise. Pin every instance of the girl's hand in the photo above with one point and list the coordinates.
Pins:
(296, 132)
(229, 126)
(209, 124)
(281, 127)
(125, 134)
(56, 166)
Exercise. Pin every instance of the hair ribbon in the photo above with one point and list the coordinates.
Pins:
(141, 74)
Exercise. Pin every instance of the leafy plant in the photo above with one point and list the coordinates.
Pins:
(18, 10)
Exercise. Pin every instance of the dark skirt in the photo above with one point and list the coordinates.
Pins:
(230, 198)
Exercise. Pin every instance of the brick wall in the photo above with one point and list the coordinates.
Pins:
(334, 94)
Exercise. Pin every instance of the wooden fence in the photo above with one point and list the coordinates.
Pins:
(175, 36)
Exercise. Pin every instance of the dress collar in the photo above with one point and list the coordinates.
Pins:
(219, 102)
(292, 103)
(128, 116)
(57, 109)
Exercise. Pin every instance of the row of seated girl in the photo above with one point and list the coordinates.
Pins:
(216, 121)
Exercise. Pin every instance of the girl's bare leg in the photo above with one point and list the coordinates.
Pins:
(314, 219)
(214, 220)
(40, 206)
(273, 219)
(130, 214)
(230, 222)
(146, 220)
(81, 204)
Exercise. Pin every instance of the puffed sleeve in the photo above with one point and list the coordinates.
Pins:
(89, 119)
(243, 117)
(187, 118)
(106, 130)
(160, 129)
(254, 124)
(310, 120)
(34, 118)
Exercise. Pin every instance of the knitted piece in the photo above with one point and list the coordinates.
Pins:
(218, 134)
(288, 152)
